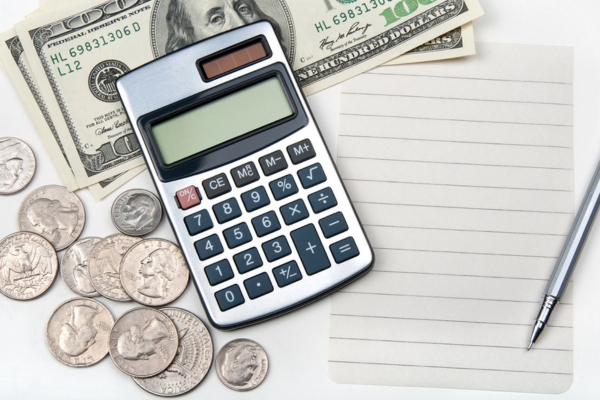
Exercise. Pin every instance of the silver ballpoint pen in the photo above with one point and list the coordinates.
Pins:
(569, 255)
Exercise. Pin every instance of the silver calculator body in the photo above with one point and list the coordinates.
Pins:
(245, 177)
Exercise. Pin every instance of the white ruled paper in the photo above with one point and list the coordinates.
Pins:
(462, 174)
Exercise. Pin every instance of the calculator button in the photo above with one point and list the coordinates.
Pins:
(227, 210)
(272, 163)
(266, 223)
(311, 176)
(344, 250)
(229, 297)
(244, 174)
(216, 186)
(301, 151)
(188, 197)
(333, 225)
(247, 260)
(237, 235)
(255, 199)
(276, 248)
(218, 272)
(208, 247)
(294, 212)
(287, 274)
(311, 250)
(258, 285)
(283, 187)
(322, 200)
(198, 222)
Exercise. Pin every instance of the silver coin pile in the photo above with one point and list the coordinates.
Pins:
(167, 351)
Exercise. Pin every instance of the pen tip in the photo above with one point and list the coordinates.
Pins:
(530, 344)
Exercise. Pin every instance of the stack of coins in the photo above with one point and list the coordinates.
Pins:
(167, 351)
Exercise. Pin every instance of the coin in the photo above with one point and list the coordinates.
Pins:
(143, 342)
(192, 361)
(153, 272)
(242, 364)
(136, 212)
(53, 212)
(28, 265)
(78, 332)
(74, 267)
(17, 165)
(104, 262)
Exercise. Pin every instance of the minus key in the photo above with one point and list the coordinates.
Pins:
(333, 225)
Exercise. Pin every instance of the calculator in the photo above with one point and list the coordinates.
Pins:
(251, 192)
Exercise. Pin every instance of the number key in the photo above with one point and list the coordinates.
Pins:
(255, 199)
(218, 272)
(198, 222)
(208, 247)
(266, 223)
(247, 260)
(229, 297)
(237, 235)
(276, 248)
(227, 210)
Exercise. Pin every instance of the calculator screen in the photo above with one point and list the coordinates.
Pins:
(221, 120)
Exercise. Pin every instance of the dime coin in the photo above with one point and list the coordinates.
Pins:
(153, 272)
(104, 262)
(74, 267)
(17, 165)
(78, 332)
(143, 342)
(136, 212)
(53, 212)
(242, 364)
(192, 361)
(28, 265)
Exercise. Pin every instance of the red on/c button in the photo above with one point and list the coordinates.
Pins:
(188, 197)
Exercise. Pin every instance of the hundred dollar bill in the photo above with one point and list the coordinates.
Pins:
(458, 42)
(82, 49)
(16, 65)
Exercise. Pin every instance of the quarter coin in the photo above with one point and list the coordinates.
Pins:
(17, 165)
(78, 332)
(53, 212)
(192, 361)
(104, 262)
(153, 272)
(74, 267)
(143, 342)
(28, 265)
(136, 212)
(242, 364)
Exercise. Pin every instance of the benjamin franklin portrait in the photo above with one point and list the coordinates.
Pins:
(179, 23)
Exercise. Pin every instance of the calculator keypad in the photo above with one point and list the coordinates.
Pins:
(269, 260)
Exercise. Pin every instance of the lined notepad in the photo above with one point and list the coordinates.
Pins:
(462, 174)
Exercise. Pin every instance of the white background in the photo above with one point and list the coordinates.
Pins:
(297, 343)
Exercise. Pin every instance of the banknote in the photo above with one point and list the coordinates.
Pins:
(458, 42)
(82, 49)
(15, 63)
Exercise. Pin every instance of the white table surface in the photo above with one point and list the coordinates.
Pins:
(297, 343)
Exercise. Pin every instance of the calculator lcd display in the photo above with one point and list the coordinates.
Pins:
(221, 120)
